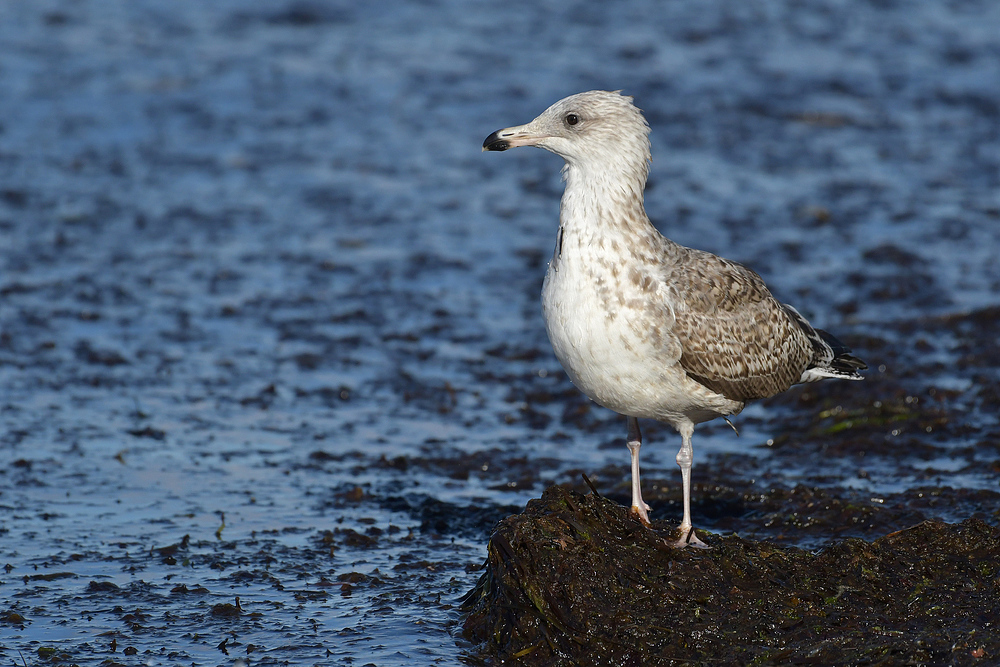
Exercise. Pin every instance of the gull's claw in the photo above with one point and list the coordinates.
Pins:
(641, 513)
(689, 539)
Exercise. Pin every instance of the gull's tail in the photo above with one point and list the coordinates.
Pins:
(831, 358)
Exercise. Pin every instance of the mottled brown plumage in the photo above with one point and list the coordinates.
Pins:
(737, 339)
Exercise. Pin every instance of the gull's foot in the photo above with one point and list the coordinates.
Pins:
(689, 539)
(641, 513)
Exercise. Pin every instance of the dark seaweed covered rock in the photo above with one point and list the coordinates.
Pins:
(575, 580)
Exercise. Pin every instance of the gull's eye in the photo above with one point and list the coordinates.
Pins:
(572, 119)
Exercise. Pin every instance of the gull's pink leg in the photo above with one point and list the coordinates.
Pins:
(685, 457)
(634, 443)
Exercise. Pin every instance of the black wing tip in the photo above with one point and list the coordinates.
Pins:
(848, 363)
(843, 360)
(848, 367)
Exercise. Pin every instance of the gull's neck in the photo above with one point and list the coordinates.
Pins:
(605, 199)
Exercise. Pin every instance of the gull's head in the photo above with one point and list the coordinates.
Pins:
(593, 128)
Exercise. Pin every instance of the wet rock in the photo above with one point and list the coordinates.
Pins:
(148, 432)
(102, 587)
(182, 589)
(575, 579)
(172, 550)
(11, 617)
(49, 576)
(353, 538)
(225, 610)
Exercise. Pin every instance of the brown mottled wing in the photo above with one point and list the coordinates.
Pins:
(736, 339)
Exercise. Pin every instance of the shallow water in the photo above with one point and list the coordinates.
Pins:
(259, 287)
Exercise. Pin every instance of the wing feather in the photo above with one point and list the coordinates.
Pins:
(736, 338)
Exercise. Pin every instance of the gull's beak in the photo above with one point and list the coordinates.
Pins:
(512, 137)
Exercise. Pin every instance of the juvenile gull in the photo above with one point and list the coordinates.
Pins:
(642, 325)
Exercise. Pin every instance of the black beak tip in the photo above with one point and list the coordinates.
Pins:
(495, 143)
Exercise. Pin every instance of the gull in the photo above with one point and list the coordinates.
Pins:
(644, 326)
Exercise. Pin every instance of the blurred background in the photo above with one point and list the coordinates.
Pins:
(270, 322)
